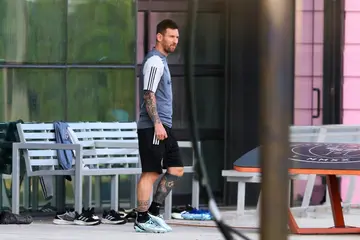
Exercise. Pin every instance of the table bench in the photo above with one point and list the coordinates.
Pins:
(326, 159)
(322, 133)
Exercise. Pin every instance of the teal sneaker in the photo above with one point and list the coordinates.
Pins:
(150, 226)
(161, 222)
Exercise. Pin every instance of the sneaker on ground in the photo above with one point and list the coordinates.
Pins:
(161, 222)
(177, 215)
(131, 216)
(148, 227)
(177, 212)
(87, 218)
(197, 214)
(65, 218)
(48, 208)
(113, 217)
(126, 211)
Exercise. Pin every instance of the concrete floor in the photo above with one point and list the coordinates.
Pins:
(46, 231)
(194, 230)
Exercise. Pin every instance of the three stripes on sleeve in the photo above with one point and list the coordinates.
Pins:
(153, 70)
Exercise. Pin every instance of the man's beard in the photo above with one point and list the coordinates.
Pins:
(168, 49)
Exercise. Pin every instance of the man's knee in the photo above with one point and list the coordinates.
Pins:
(177, 171)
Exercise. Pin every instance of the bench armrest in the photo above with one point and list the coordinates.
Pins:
(44, 146)
(49, 146)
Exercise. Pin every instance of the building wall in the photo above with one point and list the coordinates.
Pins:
(351, 96)
(308, 75)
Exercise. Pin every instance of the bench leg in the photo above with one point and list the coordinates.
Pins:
(115, 192)
(133, 191)
(195, 193)
(240, 210)
(88, 192)
(35, 191)
(308, 191)
(258, 206)
(168, 206)
(78, 192)
(26, 192)
(97, 191)
(15, 181)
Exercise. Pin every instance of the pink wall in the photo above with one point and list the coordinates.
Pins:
(308, 59)
(308, 74)
(351, 96)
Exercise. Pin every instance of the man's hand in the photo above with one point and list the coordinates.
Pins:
(160, 132)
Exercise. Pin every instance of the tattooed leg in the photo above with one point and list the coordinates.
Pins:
(165, 186)
(144, 190)
(143, 205)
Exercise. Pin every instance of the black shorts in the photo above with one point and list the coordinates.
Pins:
(156, 157)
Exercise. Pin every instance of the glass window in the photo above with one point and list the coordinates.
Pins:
(32, 94)
(101, 95)
(209, 39)
(210, 102)
(32, 31)
(101, 32)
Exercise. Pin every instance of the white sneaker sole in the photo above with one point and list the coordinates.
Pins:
(63, 222)
(105, 221)
(82, 223)
(137, 229)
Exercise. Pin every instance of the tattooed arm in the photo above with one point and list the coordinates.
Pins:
(150, 103)
(153, 70)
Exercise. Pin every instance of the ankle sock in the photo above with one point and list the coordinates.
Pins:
(142, 217)
(154, 208)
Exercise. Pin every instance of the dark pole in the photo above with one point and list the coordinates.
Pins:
(276, 77)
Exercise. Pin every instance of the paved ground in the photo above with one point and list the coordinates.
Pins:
(45, 230)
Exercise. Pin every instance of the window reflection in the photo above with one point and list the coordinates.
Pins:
(32, 94)
(209, 38)
(82, 32)
(32, 31)
(101, 95)
(101, 32)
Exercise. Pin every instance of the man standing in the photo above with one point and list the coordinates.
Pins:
(157, 146)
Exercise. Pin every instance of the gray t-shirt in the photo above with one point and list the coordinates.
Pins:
(155, 76)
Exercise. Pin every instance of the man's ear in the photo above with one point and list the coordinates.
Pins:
(159, 37)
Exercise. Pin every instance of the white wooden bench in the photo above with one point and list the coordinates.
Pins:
(323, 133)
(104, 148)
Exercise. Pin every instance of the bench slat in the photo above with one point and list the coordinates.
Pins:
(103, 126)
(106, 134)
(38, 135)
(118, 160)
(37, 126)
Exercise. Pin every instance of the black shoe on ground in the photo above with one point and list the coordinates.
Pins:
(131, 216)
(113, 217)
(87, 218)
(11, 218)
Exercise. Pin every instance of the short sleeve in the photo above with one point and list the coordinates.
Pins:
(153, 70)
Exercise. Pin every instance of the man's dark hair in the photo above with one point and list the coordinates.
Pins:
(165, 24)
